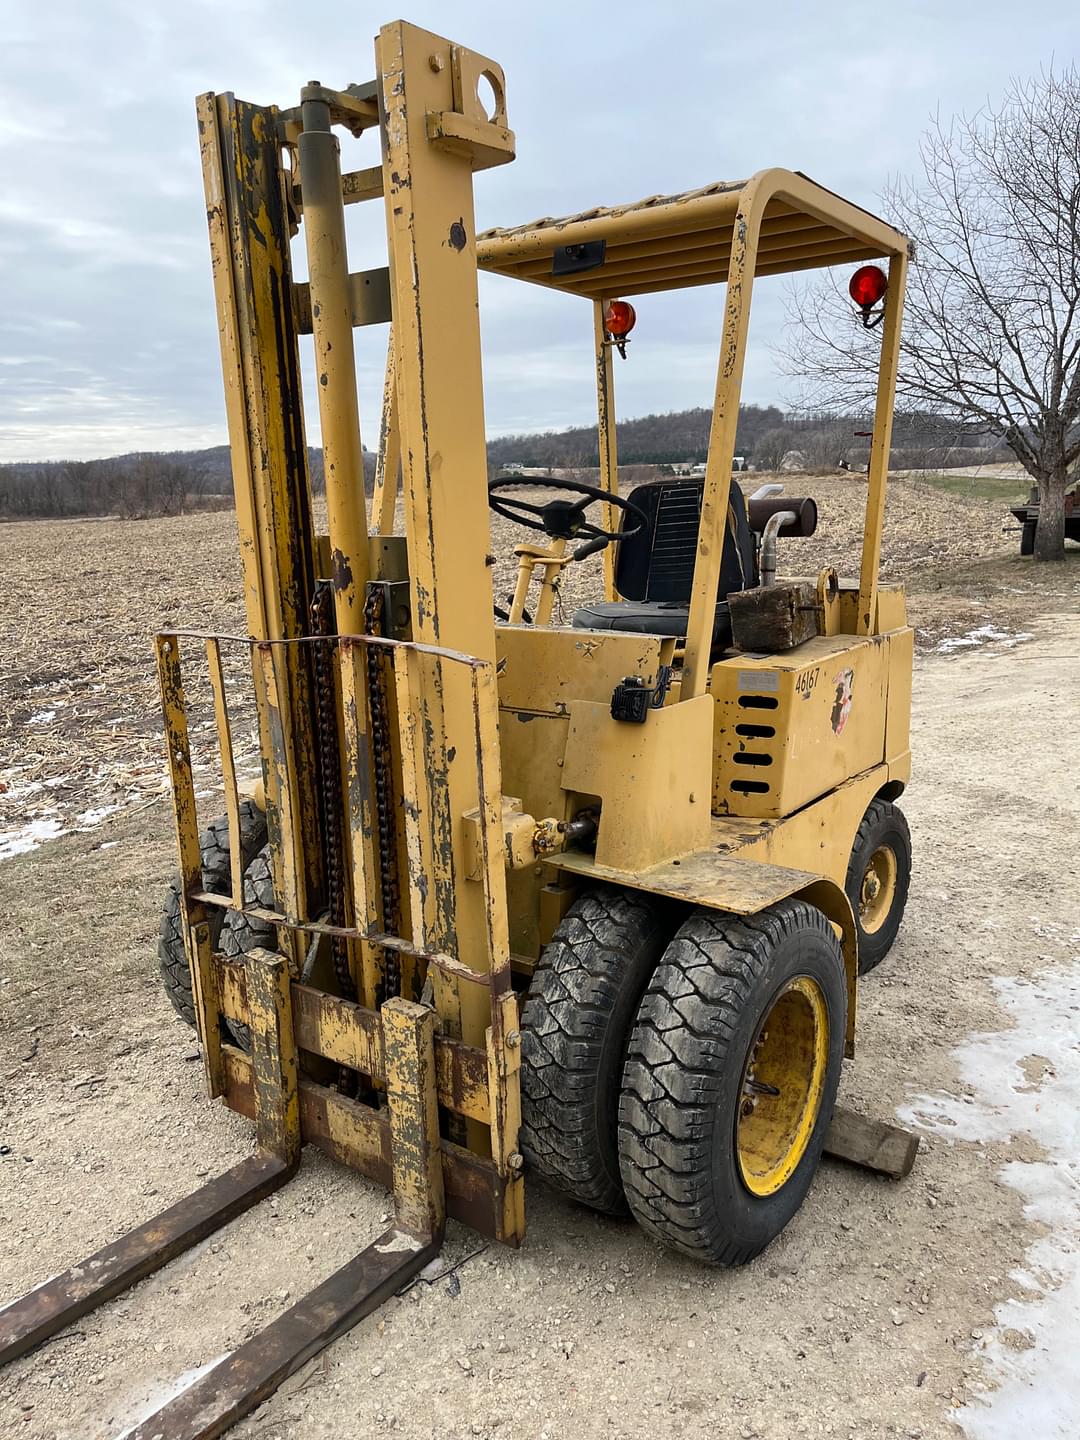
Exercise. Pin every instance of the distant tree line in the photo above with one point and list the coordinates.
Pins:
(170, 482)
(766, 435)
(130, 486)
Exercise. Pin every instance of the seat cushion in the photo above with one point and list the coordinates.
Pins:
(648, 617)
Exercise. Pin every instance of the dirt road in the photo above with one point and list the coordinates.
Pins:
(871, 1316)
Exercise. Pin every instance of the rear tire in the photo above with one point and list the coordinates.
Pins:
(701, 1172)
(217, 878)
(242, 933)
(574, 1031)
(878, 880)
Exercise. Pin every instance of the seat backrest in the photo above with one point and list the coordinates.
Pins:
(658, 562)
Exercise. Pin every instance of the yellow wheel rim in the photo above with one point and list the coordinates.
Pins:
(878, 889)
(782, 1087)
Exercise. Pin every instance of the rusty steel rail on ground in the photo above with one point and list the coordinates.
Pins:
(50, 1307)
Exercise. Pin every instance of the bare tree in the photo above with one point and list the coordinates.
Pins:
(824, 442)
(771, 447)
(991, 335)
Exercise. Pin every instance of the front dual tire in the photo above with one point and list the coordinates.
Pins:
(690, 1076)
(730, 1080)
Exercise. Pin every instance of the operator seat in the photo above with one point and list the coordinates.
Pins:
(654, 569)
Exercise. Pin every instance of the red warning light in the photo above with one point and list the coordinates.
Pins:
(619, 318)
(868, 285)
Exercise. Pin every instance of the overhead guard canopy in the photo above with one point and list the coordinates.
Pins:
(670, 242)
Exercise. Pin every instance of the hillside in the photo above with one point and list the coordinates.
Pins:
(166, 482)
(681, 435)
(765, 435)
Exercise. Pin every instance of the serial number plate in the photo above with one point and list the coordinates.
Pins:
(759, 680)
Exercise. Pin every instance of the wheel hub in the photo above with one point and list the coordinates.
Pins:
(782, 1086)
(878, 889)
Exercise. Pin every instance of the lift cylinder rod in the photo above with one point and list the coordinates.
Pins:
(335, 362)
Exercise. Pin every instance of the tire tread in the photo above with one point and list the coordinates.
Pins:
(686, 1024)
(565, 1024)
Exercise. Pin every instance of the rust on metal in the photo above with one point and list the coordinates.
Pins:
(359, 1137)
(274, 1063)
(323, 927)
(707, 877)
(667, 241)
(351, 1035)
(228, 769)
(185, 817)
(239, 1383)
(388, 460)
(504, 1066)
(66, 1298)
(245, 185)
(409, 1050)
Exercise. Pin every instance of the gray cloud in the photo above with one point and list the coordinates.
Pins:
(107, 332)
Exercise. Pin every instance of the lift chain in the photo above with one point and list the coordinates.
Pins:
(322, 619)
(389, 886)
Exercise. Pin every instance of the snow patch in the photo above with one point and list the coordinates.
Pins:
(12, 793)
(29, 836)
(1026, 1081)
(983, 635)
(89, 818)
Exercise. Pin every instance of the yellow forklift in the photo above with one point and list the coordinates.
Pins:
(591, 900)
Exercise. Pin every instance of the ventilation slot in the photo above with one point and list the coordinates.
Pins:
(758, 702)
(752, 757)
(674, 545)
(755, 732)
(750, 787)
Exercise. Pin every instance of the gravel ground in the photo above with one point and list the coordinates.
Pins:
(871, 1315)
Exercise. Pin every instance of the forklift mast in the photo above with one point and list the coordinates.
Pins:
(374, 669)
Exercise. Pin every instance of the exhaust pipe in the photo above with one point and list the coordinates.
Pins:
(767, 564)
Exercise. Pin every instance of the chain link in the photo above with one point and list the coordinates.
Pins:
(378, 707)
(322, 618)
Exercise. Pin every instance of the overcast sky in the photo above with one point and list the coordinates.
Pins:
(107, 333)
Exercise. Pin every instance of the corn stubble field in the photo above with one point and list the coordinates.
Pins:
(79, 716)
(872, 1316)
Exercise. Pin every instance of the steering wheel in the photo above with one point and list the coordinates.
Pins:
(563, 519)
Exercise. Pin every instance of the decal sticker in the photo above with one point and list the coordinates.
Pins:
(805, 683)
(842, 687)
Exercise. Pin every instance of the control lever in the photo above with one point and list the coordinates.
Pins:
(591, 547)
